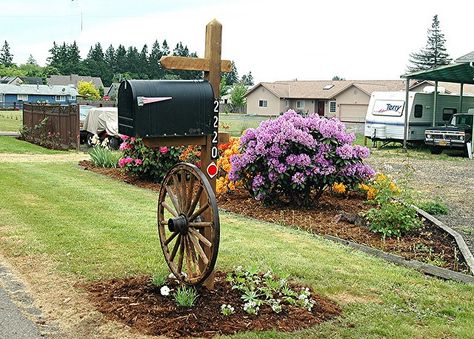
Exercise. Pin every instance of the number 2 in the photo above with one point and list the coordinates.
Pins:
(216, 106)
(216, 121)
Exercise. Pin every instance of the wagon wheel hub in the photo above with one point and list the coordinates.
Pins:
(179, 224)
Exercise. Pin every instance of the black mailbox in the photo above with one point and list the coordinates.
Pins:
(165, 108)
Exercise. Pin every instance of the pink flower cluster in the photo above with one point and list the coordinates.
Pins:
(129, 161)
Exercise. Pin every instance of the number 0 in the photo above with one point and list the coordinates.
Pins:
(214, 152)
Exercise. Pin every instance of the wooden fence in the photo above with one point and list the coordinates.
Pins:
(53, 126)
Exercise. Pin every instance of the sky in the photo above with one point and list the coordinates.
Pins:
(275, 40)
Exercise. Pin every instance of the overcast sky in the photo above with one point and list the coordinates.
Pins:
(276, 40)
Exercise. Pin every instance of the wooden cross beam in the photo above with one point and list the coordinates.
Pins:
(211, 64)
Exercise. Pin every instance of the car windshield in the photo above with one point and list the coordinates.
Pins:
(461, 120)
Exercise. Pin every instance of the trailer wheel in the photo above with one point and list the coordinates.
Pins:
(436, 150)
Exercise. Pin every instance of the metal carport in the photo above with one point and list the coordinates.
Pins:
(461, 72)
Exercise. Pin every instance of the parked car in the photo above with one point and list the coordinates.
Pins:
(83, 111)
(456, 135)
(100, 124)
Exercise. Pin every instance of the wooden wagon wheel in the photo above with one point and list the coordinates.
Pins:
(188, 223)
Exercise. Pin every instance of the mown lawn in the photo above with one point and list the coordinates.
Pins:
(10, 121)
(238, 123)
(13, 145)
(97, 228)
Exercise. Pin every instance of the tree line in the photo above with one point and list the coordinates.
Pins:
(112, 65)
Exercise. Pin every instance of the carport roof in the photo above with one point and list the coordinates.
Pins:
(459, 72)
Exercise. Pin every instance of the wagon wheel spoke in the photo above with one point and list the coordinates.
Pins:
(188, 258)
(181, 255)
(199, 250)
(173, 198)
(171, 238)
(195, 200)
(199, 212)
(202, 238)
(200, 224)
(169, 209)
(194, 256)
(178, 182)
(175, 248)
(189, 193)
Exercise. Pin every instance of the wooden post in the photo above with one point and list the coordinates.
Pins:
(212, 66)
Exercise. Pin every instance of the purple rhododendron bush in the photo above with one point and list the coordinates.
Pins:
(293, 159)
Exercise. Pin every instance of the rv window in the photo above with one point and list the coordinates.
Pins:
(418, 111)
(448, 113)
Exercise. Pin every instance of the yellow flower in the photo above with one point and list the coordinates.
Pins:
(380, 177)
(394, 188)
(364, 187)
(339, 188)
(371, 193)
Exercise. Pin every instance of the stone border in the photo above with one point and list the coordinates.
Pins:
(466, 253)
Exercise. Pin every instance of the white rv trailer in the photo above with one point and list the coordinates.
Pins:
(385, 118)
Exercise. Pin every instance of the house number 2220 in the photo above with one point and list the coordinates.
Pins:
(214, 141)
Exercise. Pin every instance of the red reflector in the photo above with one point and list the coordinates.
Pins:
(212, 169)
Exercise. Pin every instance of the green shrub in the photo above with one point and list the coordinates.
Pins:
(434, 207)
(393, 219)
(103, 157)
(185, 296)
(158, 279)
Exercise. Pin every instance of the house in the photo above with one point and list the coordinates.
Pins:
(13, 96)
(73, 79)
(10, 80)
(344, 99)
(443, 87)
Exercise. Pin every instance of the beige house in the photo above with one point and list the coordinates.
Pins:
(345, 99)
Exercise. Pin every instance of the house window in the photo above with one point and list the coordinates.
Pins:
(299, 104)
(448, 113)
(287, 103)
(332, 106)
(262, 103)
(418, 111)
(60, 98)
(22, 97)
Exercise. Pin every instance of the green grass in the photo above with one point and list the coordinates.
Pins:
(13, 145)
(10, 121)
(95, 228)
(239, 122)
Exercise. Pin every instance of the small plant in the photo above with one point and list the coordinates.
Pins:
(251, 308)
(185, 296)
(393, 219)
(434, 207)
(265, 289)
(227, 310)
(158, 279)
(103, 157)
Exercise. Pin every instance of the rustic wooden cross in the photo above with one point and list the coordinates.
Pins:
(212, 66)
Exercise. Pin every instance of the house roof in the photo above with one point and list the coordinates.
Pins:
(73, 79)
(469, 57)
(37, 90)
(7, 80)
(325, 89)
(32, 80)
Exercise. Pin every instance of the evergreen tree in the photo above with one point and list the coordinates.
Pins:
(6, 58)
(132, 61)
(121, 61)
(143, 65)
(247, 79)
(31, 61)
(434, 54)
(165, 48)
(155, 69)
(110, 65)
(233, 76)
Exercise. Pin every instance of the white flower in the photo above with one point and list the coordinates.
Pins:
(165, 291)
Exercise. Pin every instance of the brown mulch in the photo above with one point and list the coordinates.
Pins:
(336, 216)
(139, 304)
